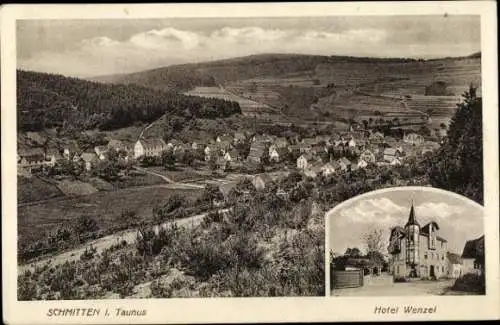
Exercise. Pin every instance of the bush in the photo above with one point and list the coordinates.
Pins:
(473, 283)
(400, 279)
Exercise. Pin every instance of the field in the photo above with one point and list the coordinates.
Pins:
(248, 106)
(35, 189)
(105, 207)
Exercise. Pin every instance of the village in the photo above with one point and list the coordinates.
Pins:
(240, 152)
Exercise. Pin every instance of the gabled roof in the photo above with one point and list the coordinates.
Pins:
(390, 151)
(454, 258)
(344, 160)
(116, 144)
(72, 145)
(226, 138)
(474, 248)
(89, 157)
(153, 143)
(307, 156)
(425, 229)
(309, 141)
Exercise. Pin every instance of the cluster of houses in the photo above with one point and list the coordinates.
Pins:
(320, 155)
(31, 159)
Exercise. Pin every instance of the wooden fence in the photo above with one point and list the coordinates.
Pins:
(347, 279)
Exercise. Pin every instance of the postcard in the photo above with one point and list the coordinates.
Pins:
(271, 162)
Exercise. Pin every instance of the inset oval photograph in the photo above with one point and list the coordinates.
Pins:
(406, 241)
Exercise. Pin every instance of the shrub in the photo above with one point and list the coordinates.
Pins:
(400, 279)
(473, 283)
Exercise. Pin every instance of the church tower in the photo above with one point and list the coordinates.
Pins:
(412, 228)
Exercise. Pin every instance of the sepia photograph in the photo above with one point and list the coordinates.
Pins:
(196, 157)
(407, 241)
(244, 157)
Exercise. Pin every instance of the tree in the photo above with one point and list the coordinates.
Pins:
(374, 241)
(212, 193)
(352, 252)
(85, 224)
(458, 165)
(168, 159)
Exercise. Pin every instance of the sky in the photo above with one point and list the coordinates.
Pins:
(85, 48)
(459, 219)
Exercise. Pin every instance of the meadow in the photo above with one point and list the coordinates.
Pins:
(107, 208)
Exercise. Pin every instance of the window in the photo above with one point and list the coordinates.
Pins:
(442, 257)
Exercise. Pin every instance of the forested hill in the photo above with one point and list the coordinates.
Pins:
(47, 100)
(212, 73)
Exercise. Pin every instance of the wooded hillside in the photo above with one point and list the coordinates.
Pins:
(47, 100)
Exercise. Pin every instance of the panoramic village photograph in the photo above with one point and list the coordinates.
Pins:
(197, 157)
(407, 242)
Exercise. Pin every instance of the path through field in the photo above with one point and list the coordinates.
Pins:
(105, 242)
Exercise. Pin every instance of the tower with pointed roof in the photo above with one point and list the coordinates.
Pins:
(412, 229)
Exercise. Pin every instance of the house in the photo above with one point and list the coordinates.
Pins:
(199, 145)
(71, 149)
(224, 146)
(101, 152)
(413, 138)
(258, 151)
(376, 137)
(29, 159)
(232, 156)
(352, 143)
(362, 163)
(473, 256)
(294, 149)
(281, 142)
(52, 155)
(368, 156)
(173, 144)
(454, 265)
(264, 138)
(277, 154)
(328, 169)
(149, 147)
(344, 164)
(391, 153)
(305, 148)
(323, 139)
(395, 162)
(90, 160)
(211, 151)
(261, 181)
(222, 164)
(116, 145)
(313, 170)
(224, 138)
(304, 161)
(416, 251)
(309, 142)
(318, 149)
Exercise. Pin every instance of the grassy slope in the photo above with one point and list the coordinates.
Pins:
(105, 207)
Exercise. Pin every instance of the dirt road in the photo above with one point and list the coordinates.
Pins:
(105, 242)
(388, 288)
